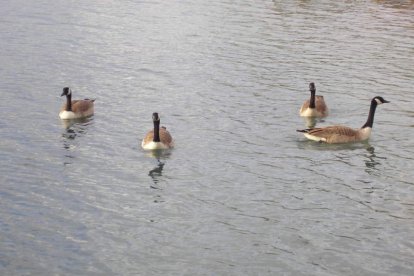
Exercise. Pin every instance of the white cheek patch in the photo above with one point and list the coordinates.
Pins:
(378, 101)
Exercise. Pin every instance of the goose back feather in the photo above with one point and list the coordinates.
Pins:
(75, 109)
(315, 106)
(158, 137)
(342, 134)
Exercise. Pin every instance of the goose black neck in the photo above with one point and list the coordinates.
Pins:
(312, 99)
(370, 120)
(157, 131)
(69, 102)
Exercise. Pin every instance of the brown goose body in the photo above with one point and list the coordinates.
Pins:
(75, 109)
(165, 138)
(337, 134)
(320, 110)
(315, 106)
(158, 138)
(80, 108)
(342, 134)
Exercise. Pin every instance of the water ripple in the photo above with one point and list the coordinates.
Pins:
(228, 79)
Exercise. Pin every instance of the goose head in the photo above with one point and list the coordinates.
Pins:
(312, 87)
(155, 117)
(379, 100)
(66, 91)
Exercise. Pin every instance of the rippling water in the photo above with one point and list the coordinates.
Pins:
(242, 193)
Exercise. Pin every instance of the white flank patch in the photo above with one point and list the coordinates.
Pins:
(154, 145)
(314, 138)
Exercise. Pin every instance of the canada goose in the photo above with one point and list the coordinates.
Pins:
(343, 134)
(315, 106)
(75, 109)
(158, 138)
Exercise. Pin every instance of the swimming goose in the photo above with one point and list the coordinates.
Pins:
(343, 134)
(158, 138)
(315, 106)
(77, 108)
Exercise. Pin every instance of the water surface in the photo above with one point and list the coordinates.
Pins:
(242, 193)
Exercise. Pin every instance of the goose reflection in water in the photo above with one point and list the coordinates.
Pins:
(373, 160)
(73, 129)
(156, 172)
(311, 122)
